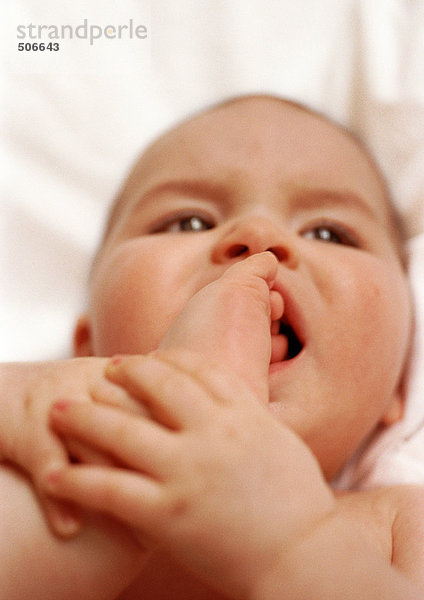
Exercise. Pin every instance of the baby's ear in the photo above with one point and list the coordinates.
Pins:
(82, 338)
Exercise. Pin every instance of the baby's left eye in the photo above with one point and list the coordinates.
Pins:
(194, 223)
(183, 223)
(334, 234)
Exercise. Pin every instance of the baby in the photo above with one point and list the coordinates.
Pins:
(251, 288)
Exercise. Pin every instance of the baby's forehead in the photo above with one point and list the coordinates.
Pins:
(219, 143)
(251, 120)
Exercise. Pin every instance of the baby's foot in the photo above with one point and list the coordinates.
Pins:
(231, 321)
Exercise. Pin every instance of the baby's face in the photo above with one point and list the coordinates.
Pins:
(240, 179)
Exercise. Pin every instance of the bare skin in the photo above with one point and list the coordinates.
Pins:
(174, 275)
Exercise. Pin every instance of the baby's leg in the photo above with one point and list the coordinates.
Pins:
(99, 563)
(228, 322)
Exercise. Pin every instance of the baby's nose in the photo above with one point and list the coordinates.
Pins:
(251, 236)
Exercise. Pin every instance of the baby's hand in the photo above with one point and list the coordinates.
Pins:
(214, 479)
(211, 476)
(27, 392)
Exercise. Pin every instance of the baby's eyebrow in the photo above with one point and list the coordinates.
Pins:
(193, 187)
(315, 198)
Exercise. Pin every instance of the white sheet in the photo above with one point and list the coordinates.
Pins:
(75, 119)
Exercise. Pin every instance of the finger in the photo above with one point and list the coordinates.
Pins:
(106, 392)
(171, 397)
(137, 442)
(127, 496)
(42, 449)
(83, 453)
(179, 387)
(64, 518)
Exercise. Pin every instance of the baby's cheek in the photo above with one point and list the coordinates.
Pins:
(387, 315)
(117, 315)
(129, 316)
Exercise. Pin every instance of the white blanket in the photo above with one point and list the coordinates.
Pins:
(76, 118)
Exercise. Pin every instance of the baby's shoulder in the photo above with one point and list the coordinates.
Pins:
(398, 512)
(408, 531)
(399, 507)
(405, 504)
(390, 501)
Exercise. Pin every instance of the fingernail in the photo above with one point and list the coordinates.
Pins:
(112, 364)
(116, 359)
(67, 521)
(61, 405)
(52, 478)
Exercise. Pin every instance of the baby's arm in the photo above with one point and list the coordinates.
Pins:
(26, 441)
(104, 558)
(27, 391)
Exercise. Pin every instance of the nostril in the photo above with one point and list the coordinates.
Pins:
(237, 250)
(280, 252)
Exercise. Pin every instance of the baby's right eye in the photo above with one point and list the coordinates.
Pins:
(185, 223)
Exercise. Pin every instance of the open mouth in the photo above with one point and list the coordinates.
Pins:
(294, 345)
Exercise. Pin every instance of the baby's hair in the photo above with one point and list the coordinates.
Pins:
(396, 226)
